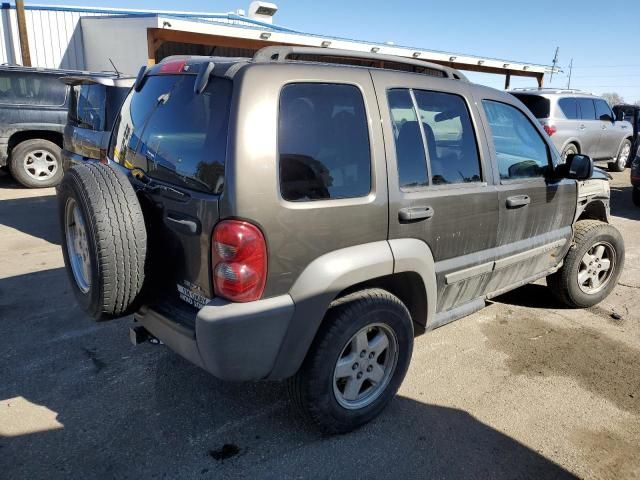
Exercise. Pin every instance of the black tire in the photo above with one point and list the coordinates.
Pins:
(564, 283)
(635, 196)
(115, 238)
(621, 162)
(21, 169)
(568, 150)
(312, 388)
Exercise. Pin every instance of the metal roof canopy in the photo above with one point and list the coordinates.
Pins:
(248, 34)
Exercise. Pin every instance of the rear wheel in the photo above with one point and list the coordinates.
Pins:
(356, 363)
(570, 149)
(622, 159)
(591, 268)
(105, 239)
(37, 163)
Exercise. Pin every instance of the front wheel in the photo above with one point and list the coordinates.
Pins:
(591, 268)
(570, 149)
(622, 159)
(356, 363)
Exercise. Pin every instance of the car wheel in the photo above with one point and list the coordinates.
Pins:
(104, 239)
(622, 159)
(37, 163)
(592, 266)
(569, 150)
(356, 363)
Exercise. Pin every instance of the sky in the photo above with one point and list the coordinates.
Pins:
(600, 37)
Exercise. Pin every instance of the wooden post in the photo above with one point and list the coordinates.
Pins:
(507, 81)
(22, 33)
(540, 79)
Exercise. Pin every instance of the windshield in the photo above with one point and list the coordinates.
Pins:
(538, 105)
(173, 134)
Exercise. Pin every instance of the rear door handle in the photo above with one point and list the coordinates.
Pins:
(582, 127)
(518, 201)
(414, 214)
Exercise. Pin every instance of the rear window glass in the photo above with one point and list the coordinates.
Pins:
(24, 88)
(538, 105)
(569, 107)
(587, 110)
(323, 142)
(173, 134)
(87, 107)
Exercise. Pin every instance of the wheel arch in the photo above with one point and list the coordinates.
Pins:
(398, 266)
(23, 135)
(594, 210)
(571, 141)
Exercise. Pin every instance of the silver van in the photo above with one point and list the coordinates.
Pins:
(579, 122)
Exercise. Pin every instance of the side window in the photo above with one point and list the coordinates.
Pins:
(451, 142)
(520, 150)
(323, 142)
(587, 110)
(17, 88)
(411, 159)
(569, 107)
(602, 109)
(88, 106)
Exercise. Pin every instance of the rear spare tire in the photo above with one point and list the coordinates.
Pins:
(104, 239)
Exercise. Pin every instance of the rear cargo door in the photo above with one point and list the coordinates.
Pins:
(175, 142)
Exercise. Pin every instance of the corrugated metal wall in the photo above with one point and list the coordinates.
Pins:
(55, 38)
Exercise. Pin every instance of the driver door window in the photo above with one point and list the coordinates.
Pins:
(520, 150)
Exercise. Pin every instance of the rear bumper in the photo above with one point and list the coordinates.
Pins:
(233, 341)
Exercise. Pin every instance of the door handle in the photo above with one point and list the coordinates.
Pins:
(413, 214)
(518, 201)
(582, 127)
(604, 127)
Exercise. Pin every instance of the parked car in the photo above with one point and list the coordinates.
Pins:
(94, 104)
(579, 122)
(631, 114)
(33, 113)
(284, 218)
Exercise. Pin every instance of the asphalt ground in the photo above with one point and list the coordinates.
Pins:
(521, 389)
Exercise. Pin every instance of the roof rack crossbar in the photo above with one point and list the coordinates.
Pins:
(280, 54)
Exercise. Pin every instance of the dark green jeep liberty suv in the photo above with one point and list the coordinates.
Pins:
(285, 217)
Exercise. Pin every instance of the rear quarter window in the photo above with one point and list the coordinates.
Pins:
(25, 88)
(323, 142)
(569, 108)
(538, 105)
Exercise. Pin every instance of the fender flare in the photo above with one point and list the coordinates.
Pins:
(328, 275)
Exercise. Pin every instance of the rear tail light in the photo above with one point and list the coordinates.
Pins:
(550, 129)
(239, 261)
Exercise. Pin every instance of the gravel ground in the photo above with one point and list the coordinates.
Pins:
(521, 389)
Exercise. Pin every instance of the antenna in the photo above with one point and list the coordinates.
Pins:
(555, 62)
(570, 68)
(114, 68)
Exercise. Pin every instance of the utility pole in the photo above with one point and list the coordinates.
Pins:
(22, 33)
(555, 62)
(570, 68)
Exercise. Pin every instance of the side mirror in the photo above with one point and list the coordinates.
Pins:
(606, 118)
(578, 167)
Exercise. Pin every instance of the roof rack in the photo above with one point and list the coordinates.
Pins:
(279, 54)
(550, 90)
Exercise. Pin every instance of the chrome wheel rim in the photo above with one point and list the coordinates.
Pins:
(40, 164)
(365, 366)
(624, 155)
(596, 268)
(77, 245)
(567, 152)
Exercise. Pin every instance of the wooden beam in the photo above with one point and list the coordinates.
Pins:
(22, 33)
